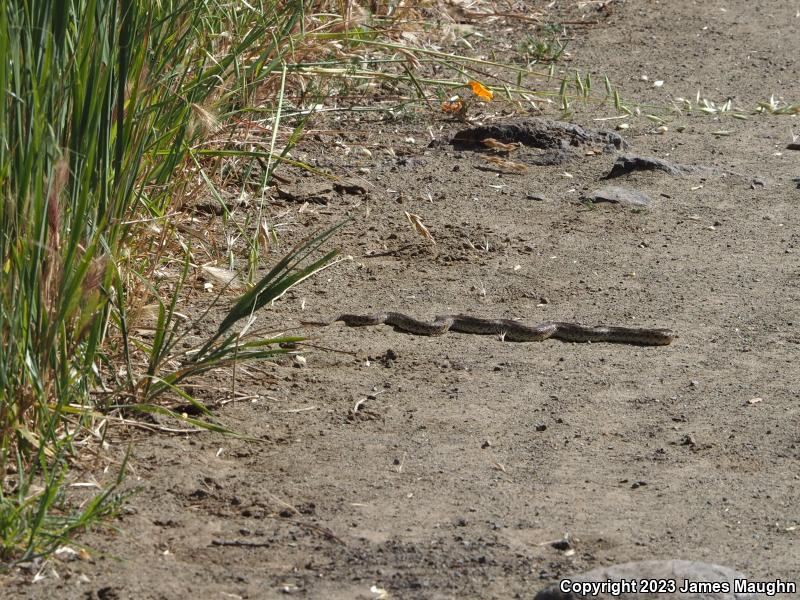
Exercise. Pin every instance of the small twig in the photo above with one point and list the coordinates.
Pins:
(241, 543)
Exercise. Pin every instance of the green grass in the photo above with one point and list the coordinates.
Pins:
(103, 102)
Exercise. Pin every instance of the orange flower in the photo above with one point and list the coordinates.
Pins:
(480, 91)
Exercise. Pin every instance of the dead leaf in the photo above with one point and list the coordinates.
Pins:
(419, 226)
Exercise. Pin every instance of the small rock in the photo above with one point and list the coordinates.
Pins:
(562, 545)
(541, 427)
(619, 195)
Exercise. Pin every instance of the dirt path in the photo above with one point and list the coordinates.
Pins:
(470, 455)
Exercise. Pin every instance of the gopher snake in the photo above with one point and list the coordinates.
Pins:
(510, 330)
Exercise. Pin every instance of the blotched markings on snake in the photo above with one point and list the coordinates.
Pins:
(507, 329)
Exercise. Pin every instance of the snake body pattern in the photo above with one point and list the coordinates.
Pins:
(511, 331)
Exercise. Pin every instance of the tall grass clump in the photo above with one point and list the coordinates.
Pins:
(101, 103)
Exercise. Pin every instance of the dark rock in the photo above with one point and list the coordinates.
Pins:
(627, 163)
(667, 571)
(558, 138)
(562, 545)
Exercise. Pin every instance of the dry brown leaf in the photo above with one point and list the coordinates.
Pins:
(419, 226)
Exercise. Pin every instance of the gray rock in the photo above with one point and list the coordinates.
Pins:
(619, 195)
(667, 573)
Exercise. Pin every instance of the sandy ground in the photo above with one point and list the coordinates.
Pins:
(469, 455)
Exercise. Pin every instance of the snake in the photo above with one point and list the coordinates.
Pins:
(507, 329)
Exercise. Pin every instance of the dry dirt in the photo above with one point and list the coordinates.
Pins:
(469, 455)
